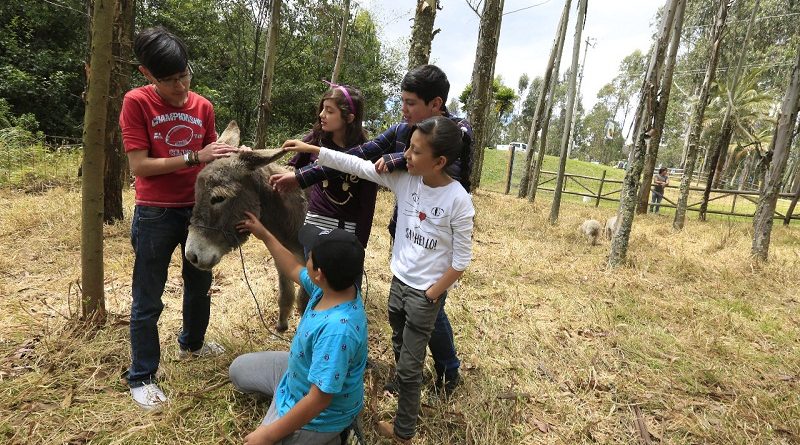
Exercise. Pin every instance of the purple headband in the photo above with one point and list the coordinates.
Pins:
(346, 95)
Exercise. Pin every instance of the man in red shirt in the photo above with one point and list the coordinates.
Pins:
(168, 133)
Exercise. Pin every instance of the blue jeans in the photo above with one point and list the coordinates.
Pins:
(155, 233)
(655, 201)
(442, 344)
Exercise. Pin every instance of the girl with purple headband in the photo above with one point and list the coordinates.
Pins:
(346, 202)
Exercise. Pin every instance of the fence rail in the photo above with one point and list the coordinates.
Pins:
(597, 190)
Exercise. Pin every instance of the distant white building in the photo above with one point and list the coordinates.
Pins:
(518, 146)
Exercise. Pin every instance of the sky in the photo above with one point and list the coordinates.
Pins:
(617, 27)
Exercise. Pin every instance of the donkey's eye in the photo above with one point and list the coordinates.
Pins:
(217, 199)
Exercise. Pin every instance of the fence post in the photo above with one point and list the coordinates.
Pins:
(510, 168)
(600, 190)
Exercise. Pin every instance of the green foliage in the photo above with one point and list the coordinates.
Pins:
(503, 99)
(43, 46)
(593, 141)
(42, 52)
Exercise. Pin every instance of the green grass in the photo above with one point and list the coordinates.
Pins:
(27, 164)
(494, 177)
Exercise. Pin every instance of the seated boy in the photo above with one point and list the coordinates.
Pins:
(317, 388)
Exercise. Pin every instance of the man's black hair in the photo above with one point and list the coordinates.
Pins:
(161, 52)
(428, 82)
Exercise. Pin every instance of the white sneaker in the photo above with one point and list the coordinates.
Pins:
(209, 349)
(148, 396)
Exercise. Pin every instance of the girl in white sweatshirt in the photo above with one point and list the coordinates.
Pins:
(432, 248)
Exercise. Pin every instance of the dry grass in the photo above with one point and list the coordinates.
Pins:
(693, 339)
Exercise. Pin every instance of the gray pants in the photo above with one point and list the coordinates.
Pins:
(412, 317)
(260, 373)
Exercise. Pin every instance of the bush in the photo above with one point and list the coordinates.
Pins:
(27, 163)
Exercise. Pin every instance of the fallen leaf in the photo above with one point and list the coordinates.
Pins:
(67, 402)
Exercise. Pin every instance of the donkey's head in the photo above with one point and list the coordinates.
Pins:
(224, 190)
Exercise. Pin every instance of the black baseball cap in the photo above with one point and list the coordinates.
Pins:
(336, 251)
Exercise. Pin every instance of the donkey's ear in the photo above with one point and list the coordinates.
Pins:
(231, 135)
(258, 158)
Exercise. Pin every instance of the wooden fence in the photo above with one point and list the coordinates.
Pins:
(605, 189)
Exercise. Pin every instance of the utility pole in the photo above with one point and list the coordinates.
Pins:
(578, 93)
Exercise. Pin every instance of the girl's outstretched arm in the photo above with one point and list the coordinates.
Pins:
(299, 146)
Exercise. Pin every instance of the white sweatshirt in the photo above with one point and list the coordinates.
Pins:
(434, 224)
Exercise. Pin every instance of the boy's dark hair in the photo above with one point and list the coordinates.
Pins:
(448, 140)
(662, 170)
(338, 253)
(428, 82)
(161, 52)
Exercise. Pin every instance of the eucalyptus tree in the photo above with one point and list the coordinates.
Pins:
(268, 75)
(698, 113)
(422, 33)
(644, 127)
(337, 66)
(571, 93)
(545, 91)
(662, 104)
(720, 148)
(116, 174)
(491, 18)
(779, 153)
(100, 67)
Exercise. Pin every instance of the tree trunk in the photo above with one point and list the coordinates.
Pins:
(575, 105)
(419, 51)
(722, 160)
(536, 166)
(571, 93)
(684, 151)
(644, 126)
(265, 101)
(714, 167)
(482, 78)
(94, 128)
(117, 174)
(780, 148)
(337, 67)
(661, 109)
(547, 87)
(699, 113)
(717, 156)
(796, 192)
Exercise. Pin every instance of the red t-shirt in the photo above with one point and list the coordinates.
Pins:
(149, 123)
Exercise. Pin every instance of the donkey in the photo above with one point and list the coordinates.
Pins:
(226, 188)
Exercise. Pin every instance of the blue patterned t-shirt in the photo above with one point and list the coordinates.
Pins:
(328, 350)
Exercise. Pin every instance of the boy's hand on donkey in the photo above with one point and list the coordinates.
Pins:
(216, 150)
(252, 225)
(283, 182)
